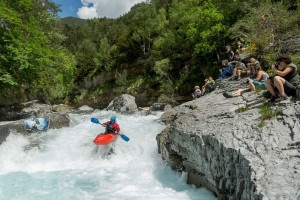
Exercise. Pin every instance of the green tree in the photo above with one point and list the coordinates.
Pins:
(204, 29)
(31, 55)
(147, 22)
(162, 68)
(104, 58)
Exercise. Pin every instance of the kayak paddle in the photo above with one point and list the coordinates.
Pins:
(124, 137)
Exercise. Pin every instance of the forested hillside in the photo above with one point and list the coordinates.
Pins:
(161, 48)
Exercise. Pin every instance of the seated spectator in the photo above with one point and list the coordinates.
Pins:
(260, 78)
(227, 69)
(207, 87)
(251, 66)
(197, 93)
(239, 70)
(211, 81)
(241, 47)
(229, 53)
(285, 81)
(259, 81)
(252, 62)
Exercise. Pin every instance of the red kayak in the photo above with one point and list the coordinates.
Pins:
(103, 139)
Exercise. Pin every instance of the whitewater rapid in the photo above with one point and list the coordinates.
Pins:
(64, 164)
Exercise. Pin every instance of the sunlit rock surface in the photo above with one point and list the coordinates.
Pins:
(228, 152)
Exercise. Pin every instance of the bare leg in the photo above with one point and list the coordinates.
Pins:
(234, 72)
(278, 82)
(252, 86)
(270, 87)
(237, 93)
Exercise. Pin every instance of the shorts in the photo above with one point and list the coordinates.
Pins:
(289, 89)
(260, 84)
(244, 72)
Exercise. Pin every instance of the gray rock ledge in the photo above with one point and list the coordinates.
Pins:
(227, 153)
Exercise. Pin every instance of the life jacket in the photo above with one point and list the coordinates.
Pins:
(111, 127)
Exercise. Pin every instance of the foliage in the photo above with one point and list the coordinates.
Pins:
(162, 69)
(204, 28)
(180, 42)
(265, 28)
(31, 55)
(241, 109)
(104, 56)
(136, 84)
(121, 81)
(268, 113)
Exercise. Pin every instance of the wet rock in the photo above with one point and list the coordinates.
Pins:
(33, 109)
(160, 107)
(123, 103)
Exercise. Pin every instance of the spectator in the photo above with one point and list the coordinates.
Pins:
(211, 81)
(207, 87)
(197, 93)
(239, 70)
(229, 53)
(253, 62)
(260, 78)
(259, 81)
(285, 81)
(227, 69)
(241, 47)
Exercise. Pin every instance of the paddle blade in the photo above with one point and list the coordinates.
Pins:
(124, 137)
(95, 120)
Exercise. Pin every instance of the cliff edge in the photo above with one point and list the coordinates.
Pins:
(229, 152)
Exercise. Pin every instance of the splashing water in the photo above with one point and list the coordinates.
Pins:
(65, 164)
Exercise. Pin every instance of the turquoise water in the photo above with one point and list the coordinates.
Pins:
(64, 164)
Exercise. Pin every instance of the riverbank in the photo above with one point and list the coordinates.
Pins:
(229, 152)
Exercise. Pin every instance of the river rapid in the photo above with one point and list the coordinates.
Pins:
(64, 164)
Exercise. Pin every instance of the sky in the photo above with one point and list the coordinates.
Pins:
(88, 9)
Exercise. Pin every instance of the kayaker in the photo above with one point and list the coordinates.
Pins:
(112, 126)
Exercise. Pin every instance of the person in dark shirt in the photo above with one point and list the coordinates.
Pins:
(229, 53)
(285, 81)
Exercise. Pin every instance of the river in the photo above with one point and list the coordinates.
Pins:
(64, 164)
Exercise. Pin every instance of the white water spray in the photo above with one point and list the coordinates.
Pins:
(65, 164)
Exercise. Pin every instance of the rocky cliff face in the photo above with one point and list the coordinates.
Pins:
(228, 153)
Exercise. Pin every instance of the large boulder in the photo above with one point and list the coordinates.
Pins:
(223, 145)
(123, 103)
